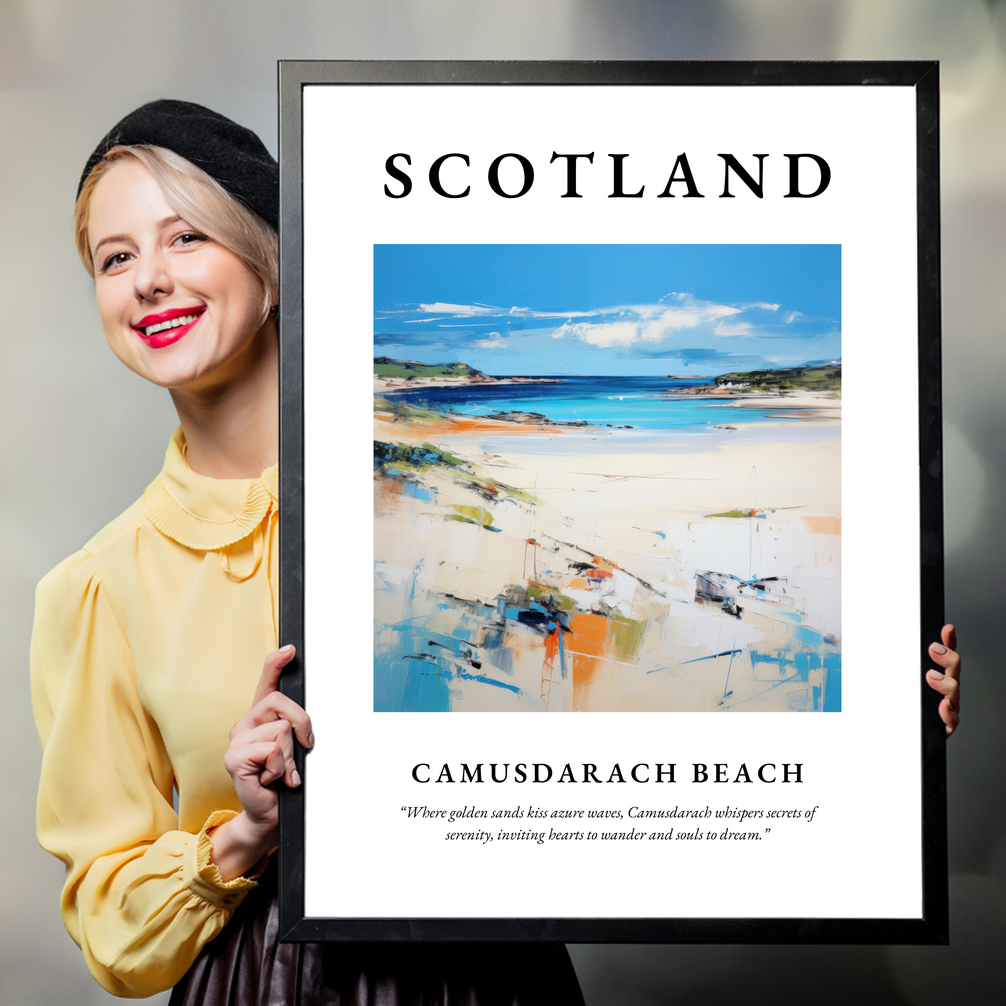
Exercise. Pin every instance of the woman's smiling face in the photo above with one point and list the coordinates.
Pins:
(177, 308)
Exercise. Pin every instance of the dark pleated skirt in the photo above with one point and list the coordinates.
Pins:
(246, 965)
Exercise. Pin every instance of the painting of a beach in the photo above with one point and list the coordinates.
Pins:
(607, 478)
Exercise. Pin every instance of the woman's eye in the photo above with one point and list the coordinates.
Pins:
(114, 261)
(190, 238)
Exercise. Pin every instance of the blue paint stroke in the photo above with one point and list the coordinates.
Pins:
(417, 492)
(419, 661)
(711, 656)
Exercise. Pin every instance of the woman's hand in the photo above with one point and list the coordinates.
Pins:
(260, 753)
(947, 682)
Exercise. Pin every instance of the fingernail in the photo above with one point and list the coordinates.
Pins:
(936, 675)
(287, 649)
(310, 740)
(295, 777)
(938, 648)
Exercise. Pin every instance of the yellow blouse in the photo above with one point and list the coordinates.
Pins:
(147, 647)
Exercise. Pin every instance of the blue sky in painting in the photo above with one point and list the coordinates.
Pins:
(608, 309)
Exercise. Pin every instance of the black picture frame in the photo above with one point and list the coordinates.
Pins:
(931, 927)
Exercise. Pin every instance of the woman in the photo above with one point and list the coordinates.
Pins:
(148, 643)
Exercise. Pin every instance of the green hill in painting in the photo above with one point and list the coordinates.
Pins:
(385, 366)
(812, 377)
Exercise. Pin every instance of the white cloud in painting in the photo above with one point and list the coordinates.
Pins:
(616, 333)
(495, 341)
(741, 326)
(444, 310)
(620, 327)
(644, 323)
(461, 310)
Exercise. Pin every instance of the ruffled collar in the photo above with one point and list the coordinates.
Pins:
(203, 513)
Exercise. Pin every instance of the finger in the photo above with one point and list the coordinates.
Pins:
(274, 766)
(950, 716)
(271, 670)
(948, 659)
(260, 760)
(276, 706)
(947, 686)
(949, 636)
(949, 708)
(279, 733)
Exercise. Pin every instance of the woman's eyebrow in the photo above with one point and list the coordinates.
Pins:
(160, 225)
(109, 240)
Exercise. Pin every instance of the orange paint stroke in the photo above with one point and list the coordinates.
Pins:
(387, 491)
(583, 644)
(823, 525)
(448, 427)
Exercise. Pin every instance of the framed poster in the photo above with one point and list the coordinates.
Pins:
(611, 501)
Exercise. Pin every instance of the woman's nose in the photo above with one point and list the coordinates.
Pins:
(152, 277)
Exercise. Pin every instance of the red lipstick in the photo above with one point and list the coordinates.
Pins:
(166, 327)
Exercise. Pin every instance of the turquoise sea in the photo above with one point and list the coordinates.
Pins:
(638, 402)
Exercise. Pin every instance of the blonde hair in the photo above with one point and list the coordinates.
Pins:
(199, 200)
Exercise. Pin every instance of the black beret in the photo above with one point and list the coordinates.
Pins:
(230, 154)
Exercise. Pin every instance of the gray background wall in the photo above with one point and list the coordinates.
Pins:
(82, 436)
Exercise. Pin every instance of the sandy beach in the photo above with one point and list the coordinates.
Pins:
(542, 567)
(827, 403)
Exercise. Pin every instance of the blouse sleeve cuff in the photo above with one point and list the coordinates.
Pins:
(202, 876)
